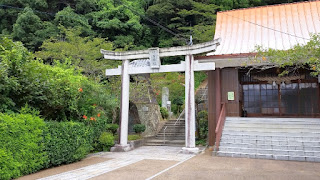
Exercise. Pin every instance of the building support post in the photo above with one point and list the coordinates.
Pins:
(190, 123)
(124, 119)
(211, 108)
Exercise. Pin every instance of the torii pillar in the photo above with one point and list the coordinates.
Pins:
(154, 66)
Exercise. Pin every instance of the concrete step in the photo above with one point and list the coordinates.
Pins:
(255, 133)
(275, 145)
(271, 151)
(269, 156)
(155, 142)
(269, 146)
(272, 142)
(170, 138)
(273, 126)
(272, 130)
(271, 120)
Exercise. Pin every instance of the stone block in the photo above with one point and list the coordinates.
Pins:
(297, 158)
(280, 152)
(309, 153)
(279, 157)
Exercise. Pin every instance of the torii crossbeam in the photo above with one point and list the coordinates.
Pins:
(153, 65)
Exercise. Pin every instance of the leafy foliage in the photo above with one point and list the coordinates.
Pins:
(139, 128)
(106, 140)
(112, 128)
(202, 119)
(21, 145)
(60, 92)
(300, 56)
(66, 142)
(164, 112)
(133, 137)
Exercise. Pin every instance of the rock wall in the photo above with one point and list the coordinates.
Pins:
(150, 116)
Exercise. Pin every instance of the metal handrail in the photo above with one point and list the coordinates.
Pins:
(220, 124)
(164, 137)
(179, 118)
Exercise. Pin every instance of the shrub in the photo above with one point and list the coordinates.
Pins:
(164, 113)
(202, 119)
(112, 128)
(21, 145)
(106, 139)
(67, 142)
(139, 128)
(59, 91)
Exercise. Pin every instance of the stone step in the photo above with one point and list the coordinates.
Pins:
(272, 130)
(269, 146)
(170, 137)
(271, 120)
(171, 133)
(271, 151)
(272, 126)
(273, 142)
(156, 142)
(271, 123)
(291, 146)
(291, 136)
(269, 156)
(255, 133)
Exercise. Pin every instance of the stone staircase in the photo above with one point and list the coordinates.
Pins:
(296, 139)
(171, 134)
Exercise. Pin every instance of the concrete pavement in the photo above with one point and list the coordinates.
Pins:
(165, 163)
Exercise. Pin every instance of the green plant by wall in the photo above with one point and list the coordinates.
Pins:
(139, 128)
(106, 140)
(132, 137)
(164, 112)
(202, 119)
(112, 128)
(21, 145)
(67, 142)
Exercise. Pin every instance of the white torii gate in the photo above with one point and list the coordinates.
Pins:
(154, 54)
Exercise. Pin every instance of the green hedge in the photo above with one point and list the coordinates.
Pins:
(67, 142)
(21, 145)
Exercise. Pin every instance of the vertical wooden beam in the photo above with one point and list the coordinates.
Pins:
(214, 103)
(211, 108)
(218, 93)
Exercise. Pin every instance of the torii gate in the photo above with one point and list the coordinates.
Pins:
(154, 54)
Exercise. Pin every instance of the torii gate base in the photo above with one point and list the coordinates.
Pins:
(154, 66)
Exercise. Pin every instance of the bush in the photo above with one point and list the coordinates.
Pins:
(139, 128)
(112, 128)
(202, 119)
(164, 113)
(21, 145)
(59, 91)
(106, 139)
(67, 142)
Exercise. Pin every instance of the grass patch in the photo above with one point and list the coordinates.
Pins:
(133, 137)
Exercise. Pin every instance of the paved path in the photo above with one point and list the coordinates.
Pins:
(120, 160)
(166, 163)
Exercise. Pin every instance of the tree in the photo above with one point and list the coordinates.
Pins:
(300, 56)
(69, 19)
(30, 30)
(118, 20)
(83, 52)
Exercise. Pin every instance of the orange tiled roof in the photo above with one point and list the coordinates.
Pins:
(278, 27)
